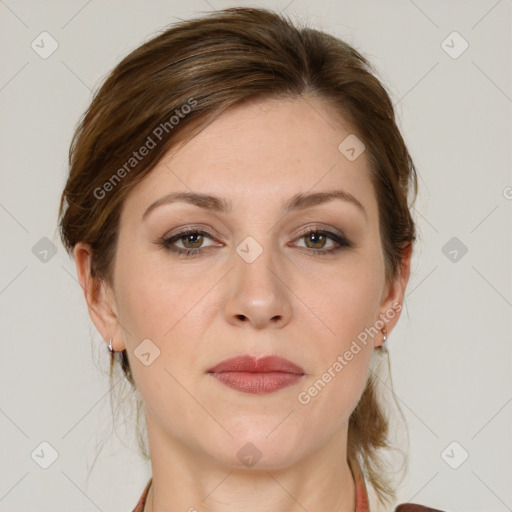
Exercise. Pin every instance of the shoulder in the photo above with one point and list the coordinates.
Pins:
(413, 507)
(142, 500)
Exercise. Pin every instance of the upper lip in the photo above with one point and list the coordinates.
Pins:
(252, 364)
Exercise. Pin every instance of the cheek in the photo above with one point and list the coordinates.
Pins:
(333, 390)
(151, 298)
(168, 311)
(156, 310)
(328, 398)
(143, 308)
(346, 307)
(348, 300)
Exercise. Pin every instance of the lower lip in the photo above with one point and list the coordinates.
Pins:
(257, 383)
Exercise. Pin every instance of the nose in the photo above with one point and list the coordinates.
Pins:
(258, 293)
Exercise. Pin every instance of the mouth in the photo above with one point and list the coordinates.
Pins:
(264, 375)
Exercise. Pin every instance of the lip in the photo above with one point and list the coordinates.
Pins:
(257, 375)
(252, 364)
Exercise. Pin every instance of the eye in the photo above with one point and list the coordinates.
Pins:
(192, 240)
(316, 239)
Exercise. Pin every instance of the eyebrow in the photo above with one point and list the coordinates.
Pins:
(220, 205)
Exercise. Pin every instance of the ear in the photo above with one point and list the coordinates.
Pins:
(99, 297)
(393, 297)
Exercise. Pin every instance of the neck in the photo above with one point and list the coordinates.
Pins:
(187, 480)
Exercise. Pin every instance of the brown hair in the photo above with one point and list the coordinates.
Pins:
(169, 88)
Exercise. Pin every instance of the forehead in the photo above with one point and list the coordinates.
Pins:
(262, 153)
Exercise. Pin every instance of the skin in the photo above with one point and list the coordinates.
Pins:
(291, 302)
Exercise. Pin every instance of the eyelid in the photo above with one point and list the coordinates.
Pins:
(340, 241)
(321, 227)
(205, 230)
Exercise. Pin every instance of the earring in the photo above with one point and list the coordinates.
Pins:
(110, 345)
(384, 334)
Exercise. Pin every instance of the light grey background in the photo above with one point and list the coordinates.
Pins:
(451, 351)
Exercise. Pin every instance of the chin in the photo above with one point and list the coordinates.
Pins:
(261, 449)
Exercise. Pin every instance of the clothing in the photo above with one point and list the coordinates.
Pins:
(362, 504)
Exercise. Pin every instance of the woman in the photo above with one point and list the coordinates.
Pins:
(237, 208)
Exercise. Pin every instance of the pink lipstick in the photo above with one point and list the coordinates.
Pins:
(257, 376)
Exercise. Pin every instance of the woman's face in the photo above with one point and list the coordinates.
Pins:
(255, 283)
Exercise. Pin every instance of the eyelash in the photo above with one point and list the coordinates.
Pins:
(342, 242)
